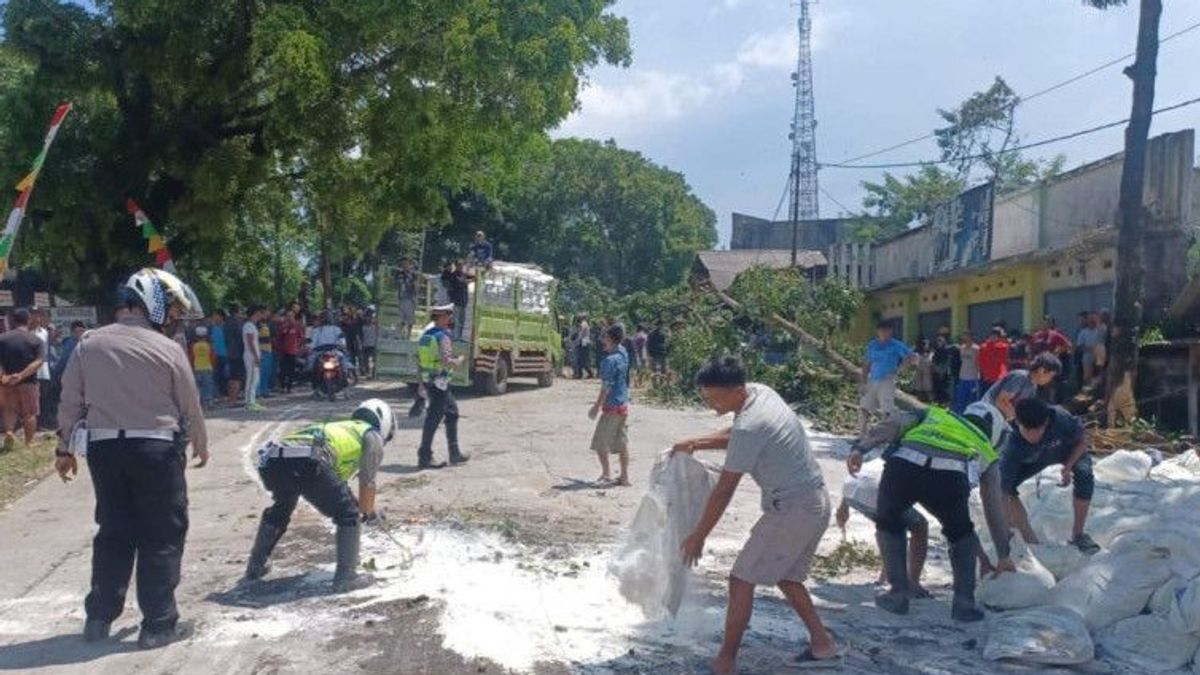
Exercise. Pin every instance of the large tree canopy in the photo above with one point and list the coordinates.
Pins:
(591, 209)
(193, 107)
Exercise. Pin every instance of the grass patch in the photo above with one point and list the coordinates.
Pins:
(22, 468)
(847, 557)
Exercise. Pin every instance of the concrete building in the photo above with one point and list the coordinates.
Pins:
(1047, 249)
(751, 233)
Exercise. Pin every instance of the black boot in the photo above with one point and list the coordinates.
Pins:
(346, 577)
(155, 639)
(95, 630)
(456, 454)
(893, 548)
(264, 542)
(962, 562)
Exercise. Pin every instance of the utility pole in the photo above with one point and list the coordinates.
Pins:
(1131, 214)
(802, 184)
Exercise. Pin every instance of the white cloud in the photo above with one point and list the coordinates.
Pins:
(646, 97)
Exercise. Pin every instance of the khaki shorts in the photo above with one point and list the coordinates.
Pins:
(782, 542)
(879, 396)
(610, 435)
(22, 400)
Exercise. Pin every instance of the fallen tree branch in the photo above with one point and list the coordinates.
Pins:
(848, 368)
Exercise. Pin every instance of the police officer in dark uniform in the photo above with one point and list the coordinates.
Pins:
(315, 463)
(435, 351)
(133, 389)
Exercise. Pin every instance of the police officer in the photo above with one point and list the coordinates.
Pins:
(315, 463)
(135, 388)
(928, 462)
(435, 352)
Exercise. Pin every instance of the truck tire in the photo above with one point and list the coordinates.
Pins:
(495, 382)
(546, 378)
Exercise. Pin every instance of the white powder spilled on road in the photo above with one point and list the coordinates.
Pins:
(518, 606)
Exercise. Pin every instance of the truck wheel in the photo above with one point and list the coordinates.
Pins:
(496, 382)
(546, 378)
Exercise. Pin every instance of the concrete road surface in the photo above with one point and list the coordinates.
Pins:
(496, 566)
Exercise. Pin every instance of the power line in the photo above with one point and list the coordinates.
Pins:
(833, 199)
(1027, 146)
(1026, 99)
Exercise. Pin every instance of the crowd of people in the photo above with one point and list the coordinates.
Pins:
(33, 353)
(241, 356)
(646, 347)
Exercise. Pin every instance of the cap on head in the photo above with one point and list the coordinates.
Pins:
(441, 310)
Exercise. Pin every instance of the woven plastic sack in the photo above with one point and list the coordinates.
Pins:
(1113, 585)
(1054, 636)
(648, 564)
(1148, 643)
(1027, 587)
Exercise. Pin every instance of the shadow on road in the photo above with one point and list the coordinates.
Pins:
(62, 650)
(272, 592)
(577, 485)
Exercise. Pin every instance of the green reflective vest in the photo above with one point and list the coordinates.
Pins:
(949, 432)
(344, 440)
(429, 355)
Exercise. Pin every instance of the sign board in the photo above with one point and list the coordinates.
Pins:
(63, 316)
(41, 299)
(962, 230)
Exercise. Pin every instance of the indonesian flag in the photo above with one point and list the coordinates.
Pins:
(154, 241)
(25, 187)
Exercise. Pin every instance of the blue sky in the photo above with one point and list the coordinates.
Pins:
(709, 92)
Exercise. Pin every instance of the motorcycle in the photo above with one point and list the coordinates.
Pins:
(331, 380)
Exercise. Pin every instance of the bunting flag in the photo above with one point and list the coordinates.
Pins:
(25, 187)
(154, 241)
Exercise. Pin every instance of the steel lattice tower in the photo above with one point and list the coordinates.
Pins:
(803, 182)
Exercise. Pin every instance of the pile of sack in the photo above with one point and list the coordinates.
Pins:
(1137, 601)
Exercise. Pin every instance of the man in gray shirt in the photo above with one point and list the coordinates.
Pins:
(768, 442)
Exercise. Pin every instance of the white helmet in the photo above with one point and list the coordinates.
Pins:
(378, 414)
(990, 421)
(159, 290)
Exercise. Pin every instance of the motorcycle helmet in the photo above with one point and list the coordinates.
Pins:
(159, 291)
(378, 414)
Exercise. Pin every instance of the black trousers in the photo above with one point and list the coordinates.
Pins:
(442, 406)
(315, 481)
(287, 371)
(141, 508)
(943, 493)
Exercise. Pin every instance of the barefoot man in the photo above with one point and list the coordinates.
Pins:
(768, 442)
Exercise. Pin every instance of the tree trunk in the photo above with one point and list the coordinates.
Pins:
(326, 274)
(1127, 317)
(278, 262)
(849, 369)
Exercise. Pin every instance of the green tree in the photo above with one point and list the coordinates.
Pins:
(896, 204)
(191, 106)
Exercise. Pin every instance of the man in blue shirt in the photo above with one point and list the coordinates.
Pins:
(481, 252)
(885, 356)
(612, 406)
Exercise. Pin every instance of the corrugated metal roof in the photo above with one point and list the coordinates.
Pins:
(722, 267)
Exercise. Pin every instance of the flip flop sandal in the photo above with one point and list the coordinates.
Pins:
(806, 661)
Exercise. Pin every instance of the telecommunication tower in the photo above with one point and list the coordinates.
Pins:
(802, 185)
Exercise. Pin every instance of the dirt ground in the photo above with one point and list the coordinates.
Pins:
(495, 566)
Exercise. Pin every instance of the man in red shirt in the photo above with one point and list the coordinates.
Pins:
(291, 338)
(1051, 339)
(993, 358)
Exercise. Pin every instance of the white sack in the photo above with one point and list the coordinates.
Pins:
(1059, 559)
(648, 564)
(1045, 635)
(1123, 466)
(1184, 612)
(1184, 467)
(1027, 587)
(863, 490)
(1182, 539)
(1148, 643)
(1163, 599)
(1113, 586)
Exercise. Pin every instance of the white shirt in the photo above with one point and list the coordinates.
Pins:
(43, 372)
(326, 335)
(249, 329)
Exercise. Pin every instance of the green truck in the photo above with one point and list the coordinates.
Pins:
(511, 329)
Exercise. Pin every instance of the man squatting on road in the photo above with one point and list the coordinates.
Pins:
(767, 441)
(133, 388)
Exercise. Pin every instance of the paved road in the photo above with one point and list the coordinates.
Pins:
(491, 567)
